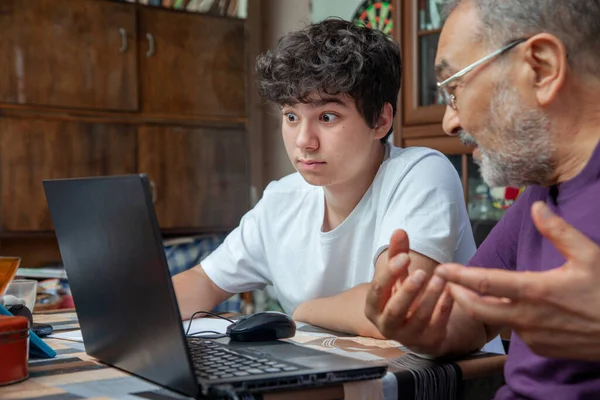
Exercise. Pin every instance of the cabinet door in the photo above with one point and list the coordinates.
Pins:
(67, 53)
(191, 64)
(33, 150)
(200, 175)
(420, 34)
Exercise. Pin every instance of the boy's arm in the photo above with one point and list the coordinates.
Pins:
(195, 291)
(344, 312)
(236, 265)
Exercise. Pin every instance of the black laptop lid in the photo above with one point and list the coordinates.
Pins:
(112, 252)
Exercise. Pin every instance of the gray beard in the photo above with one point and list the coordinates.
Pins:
(522, 140)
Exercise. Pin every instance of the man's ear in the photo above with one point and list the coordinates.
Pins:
(384, 123)
(546, 58)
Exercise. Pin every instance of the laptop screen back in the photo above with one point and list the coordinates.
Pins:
(112, 252)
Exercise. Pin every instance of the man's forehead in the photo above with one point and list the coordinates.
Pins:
(458, 39)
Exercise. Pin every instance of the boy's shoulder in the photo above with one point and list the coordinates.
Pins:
(288, 199)
(291, 190)
(291, 183)
(402, 160)
(413, 171)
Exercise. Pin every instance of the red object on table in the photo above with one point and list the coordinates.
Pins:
(14, 349)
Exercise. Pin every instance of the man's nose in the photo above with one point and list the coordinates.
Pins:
(451, 122)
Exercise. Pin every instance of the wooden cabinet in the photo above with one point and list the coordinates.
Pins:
(420, 34)
(37, 149)
(98, 87)
(199, 175)
(66, 53)
(191, 65)
(422, 108)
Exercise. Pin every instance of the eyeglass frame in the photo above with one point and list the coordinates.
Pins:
(450, 99)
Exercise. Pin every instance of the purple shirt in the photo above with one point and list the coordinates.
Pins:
(515, 244)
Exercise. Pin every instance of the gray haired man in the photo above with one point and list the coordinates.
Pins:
(521, 81)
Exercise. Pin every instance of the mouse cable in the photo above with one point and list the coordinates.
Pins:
(215, 335)
(187, 331)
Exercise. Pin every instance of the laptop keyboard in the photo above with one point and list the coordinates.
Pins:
(213, 360)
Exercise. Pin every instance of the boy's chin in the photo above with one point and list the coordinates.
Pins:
(314, 180)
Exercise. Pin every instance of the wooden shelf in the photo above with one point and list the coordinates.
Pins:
(425, 32)
(118, 117)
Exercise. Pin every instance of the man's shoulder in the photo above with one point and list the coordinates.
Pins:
(520, 210)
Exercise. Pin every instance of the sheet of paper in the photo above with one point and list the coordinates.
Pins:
(206, 324)
(74, 336)
(198, 325)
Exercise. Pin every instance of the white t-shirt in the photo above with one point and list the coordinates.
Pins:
(280, 241)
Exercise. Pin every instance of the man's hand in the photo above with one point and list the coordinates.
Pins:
(408, 308)
(344, 311)
(557, 312)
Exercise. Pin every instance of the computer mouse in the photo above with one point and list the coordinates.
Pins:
(262, 326)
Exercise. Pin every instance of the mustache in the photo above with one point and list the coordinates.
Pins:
(467, 139)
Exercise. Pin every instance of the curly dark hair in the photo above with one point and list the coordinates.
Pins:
(333, 57)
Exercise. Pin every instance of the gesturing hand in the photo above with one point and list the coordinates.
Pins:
(557, 313)
(407, 307)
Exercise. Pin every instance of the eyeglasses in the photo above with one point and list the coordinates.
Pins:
(450, 99)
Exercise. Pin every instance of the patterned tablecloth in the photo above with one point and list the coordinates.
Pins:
(72, 374)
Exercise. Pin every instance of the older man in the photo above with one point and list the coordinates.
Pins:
(521, 80)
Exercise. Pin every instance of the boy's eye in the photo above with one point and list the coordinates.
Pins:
(291, 117)
(328, 117)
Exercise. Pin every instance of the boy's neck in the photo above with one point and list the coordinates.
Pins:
(341, 199)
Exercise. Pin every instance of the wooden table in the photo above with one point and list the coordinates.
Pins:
(75, 375)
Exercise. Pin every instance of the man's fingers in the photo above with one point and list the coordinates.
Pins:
(493, 281)
(571, 243)
(441, 315)
(396, 309)
(380, 288)
(398, 243)
(427, 301)
(492, 311)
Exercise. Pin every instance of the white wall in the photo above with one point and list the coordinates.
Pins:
(267, 21)
(242, 8)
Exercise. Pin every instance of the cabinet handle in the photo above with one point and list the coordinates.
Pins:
(154, 192)
(150, 51)
(123, 33)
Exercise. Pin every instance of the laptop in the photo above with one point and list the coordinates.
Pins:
(111, 248)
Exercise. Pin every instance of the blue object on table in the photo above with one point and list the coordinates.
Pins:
(37, 347)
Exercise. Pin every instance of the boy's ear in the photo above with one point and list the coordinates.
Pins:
(385, 121)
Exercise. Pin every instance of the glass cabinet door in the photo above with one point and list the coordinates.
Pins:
(429, 26)
(428, 93)
(421, 33)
